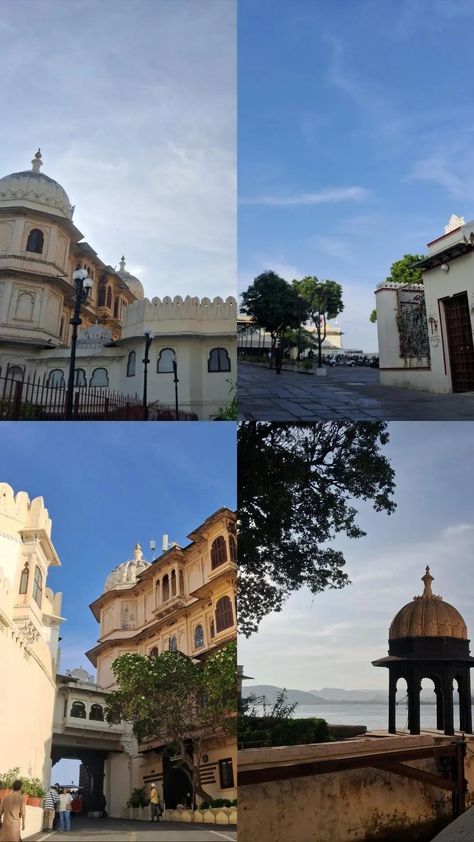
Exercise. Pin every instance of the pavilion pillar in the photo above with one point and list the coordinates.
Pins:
(414, 688)
(392, 697)
(439, 709)
(465, 710)
(448, 704)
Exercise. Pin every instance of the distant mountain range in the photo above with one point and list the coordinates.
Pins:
(329, 695)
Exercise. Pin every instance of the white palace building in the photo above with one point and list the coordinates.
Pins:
(40, 249)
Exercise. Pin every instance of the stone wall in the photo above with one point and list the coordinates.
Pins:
(348, 806)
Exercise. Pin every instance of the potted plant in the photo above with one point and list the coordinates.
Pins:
(137, 801)
(33, 789)
(6, 781)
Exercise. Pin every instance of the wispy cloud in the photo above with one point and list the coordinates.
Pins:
(329, 196)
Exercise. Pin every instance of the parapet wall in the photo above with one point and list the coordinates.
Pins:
(19, 507)
(179, 313)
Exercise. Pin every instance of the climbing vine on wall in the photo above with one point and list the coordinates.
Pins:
(413, 329)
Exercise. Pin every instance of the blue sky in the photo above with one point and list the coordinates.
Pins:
(133, 105)
(355, 139)
(107, 486)
(329, 640)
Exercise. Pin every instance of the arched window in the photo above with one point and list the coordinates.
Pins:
(116, 308)
(102, 295)
(109, 297)
(224, 615)
(173, 644)
(35, 241)
(15, 372)
(154, 652)
(55, 378)
(173, 583)
(181, 583)
(38, 586)
(165, 361)
(213, 629)
(96, 713)
(166, 588)
(198, 637)
(78, 710)
(131, 363)
(99, 377)
(233, 548)
(25, 575)
(80, 377)
(218, 360)
(218, 552)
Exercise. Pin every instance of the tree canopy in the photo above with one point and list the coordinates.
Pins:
(170, 699)
(297, 486)
(324, 300)
(403, 272)
(273, 304)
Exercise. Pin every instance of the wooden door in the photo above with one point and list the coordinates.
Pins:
(460, 343)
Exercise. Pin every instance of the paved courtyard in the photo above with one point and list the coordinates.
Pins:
(115, 830)
(344, 392)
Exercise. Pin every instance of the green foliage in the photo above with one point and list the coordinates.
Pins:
(297, 487)
(273, 304)
(138, 798)
(7, 779)
(229, 413)
(28, 411)
(413, 329)
(271, 731)
(33, 787)
(217, 802)
(403, 272)
(163, 699)
(324, 301)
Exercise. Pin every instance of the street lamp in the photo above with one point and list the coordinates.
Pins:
(83, 287)
(176, 381)
(146, 359)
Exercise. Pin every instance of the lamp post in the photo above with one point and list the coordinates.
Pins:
(146, 360)
(83, 287)
(176, 381)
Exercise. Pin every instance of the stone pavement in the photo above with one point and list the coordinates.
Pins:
(344, 392)
(117, 830)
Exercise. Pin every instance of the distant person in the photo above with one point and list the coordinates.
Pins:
(65, 801)
(155, 806)
(278, 359)
(102, 806)
(50, 805)
(12, 808)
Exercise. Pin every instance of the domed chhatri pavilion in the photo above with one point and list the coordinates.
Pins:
(428, 639)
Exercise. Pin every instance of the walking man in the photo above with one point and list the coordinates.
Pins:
(51, 802)
(65, 802)
(155, 806)
(12, 807)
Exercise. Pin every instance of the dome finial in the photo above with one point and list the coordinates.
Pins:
(427, 579)
(137, 553)
(37, 162)
(122, 263)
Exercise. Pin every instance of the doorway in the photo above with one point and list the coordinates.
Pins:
(460, 343)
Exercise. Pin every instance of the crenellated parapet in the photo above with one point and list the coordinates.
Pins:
(200, 312)
(32, 514)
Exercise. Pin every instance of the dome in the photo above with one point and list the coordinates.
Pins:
(133, 283)
(34, 190)
(428, 616)
(125, 575)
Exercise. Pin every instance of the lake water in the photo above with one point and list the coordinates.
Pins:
(375, 717)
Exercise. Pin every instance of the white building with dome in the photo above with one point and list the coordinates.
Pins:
(40, 248)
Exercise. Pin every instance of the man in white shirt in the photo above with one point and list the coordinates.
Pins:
(65, 802)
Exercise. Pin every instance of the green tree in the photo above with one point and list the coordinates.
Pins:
(403, 272)
(274, 305)
(170, 699)
(324, 300)
(297, 484)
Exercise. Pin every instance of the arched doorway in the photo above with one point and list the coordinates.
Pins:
(177, 787)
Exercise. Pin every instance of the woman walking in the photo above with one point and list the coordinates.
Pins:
(12, 808)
